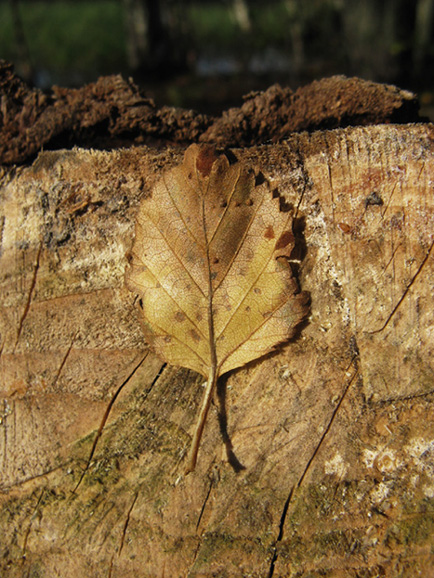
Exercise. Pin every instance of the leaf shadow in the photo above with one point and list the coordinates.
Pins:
(222, 415)
(299, 251)
(297, 256)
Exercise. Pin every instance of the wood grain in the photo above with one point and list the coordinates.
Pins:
(332, 467)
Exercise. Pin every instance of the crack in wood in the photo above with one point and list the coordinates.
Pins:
(32, 517)
(391, 258)
(405, 398)
(19, 483)
(106, 415)
(213, 481)
(329, 425)
(29, 297)
(204, 504)
(403, 296)
(127, 521)
(280, 535)
(196, 552)
(306, 469)
(62, 365)
(111, 566)
(75, 295)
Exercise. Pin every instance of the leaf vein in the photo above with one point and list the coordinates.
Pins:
(248, 292)
(183, 343)
(187, 228)
(250, 336)
(175, 254)
(176, 303)
(241, 242)
(226, 208)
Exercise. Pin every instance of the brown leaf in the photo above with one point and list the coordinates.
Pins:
(209, 265)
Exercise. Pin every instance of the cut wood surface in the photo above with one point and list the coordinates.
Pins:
(330, 440)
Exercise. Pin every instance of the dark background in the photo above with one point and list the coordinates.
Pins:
(206, 54)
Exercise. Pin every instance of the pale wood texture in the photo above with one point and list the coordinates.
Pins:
(333, 455)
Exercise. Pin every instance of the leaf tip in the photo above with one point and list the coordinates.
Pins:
(205, 158)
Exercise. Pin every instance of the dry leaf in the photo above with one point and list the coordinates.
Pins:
(209, 264)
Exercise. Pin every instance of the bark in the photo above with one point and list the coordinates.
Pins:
(331, 469)
(115, 113)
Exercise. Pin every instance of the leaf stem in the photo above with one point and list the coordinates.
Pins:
(209, 390)
(213, 371)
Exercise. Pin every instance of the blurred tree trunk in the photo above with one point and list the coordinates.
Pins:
(377, 38)
(24, 61)
(137, 33)
(423, 33)
(149, 36)
(363, 20)
(242, 15)
(296, 30)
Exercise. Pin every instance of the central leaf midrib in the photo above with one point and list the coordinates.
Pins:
(211, 338)
(240, 242)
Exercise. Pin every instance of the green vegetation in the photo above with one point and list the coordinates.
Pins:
(70, 42)
(64, 38)
(74, 42)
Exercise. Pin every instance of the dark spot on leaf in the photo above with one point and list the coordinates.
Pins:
(285, 239)
(199, 316)
(269, 232)
(205, 160)
(247, 308)
(224, 204)
(213, 275)
(195, 335)
(167, 339)
(344, 227)
(257, 291)
(215, 260)
(140, 268)
(190, 176)
(179, 316)
(249, 202)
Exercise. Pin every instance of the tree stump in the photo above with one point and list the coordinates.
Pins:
(330, 439)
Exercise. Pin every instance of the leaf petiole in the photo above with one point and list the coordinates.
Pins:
(209, 390)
